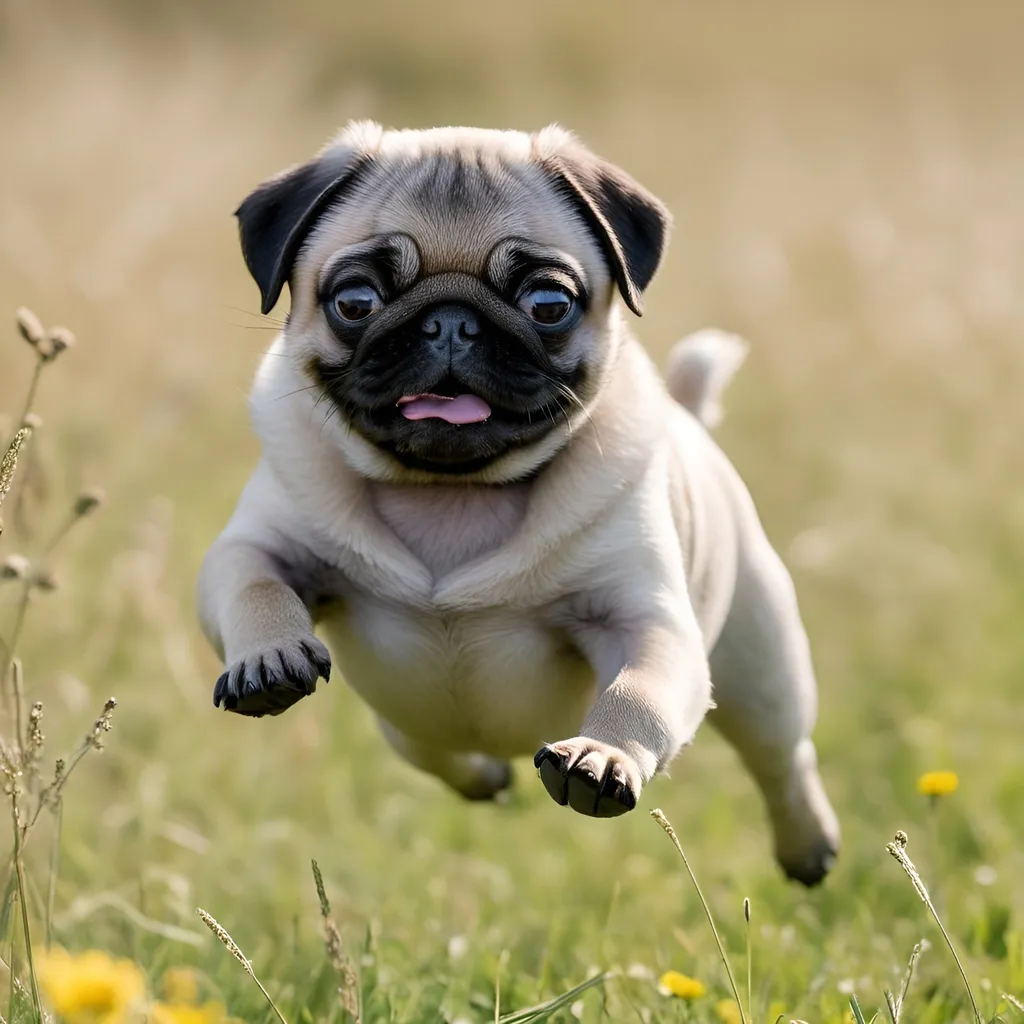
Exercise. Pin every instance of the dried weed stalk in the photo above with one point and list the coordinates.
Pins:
(348, 988)
(21, 739)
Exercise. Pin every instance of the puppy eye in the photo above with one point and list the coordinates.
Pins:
(353, 302)
(547, 305)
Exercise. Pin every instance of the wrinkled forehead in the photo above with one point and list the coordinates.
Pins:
(456, 206)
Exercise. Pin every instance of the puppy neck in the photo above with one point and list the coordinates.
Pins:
(447, 525)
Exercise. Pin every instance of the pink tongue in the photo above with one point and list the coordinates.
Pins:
(462, 409)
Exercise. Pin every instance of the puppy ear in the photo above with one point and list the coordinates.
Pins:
(276, 218)
(630, 223)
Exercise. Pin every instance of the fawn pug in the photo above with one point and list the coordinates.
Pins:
(515, 537)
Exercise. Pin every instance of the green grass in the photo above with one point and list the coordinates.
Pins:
(847, 195)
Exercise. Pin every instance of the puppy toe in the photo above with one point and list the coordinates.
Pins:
(617, 793)
(553, 765)
(319, 657)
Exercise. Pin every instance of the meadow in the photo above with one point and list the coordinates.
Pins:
(846, 185)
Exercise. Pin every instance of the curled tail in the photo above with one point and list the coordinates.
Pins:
(699, 369)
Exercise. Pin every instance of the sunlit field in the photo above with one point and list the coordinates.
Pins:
(848, 193)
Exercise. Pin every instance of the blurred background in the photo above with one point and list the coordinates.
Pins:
(846, 180)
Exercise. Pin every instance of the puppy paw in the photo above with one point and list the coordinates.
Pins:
(813, 865)
(489, 780)
(270, 680)
(591, 777)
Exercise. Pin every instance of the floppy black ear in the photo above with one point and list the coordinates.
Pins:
(276, 218)
(630, 223)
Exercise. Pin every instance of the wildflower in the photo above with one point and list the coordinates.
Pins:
(90, 987)
(180, 985)
(728, 1011)
(185, 1013)
(937, 783)
(672, 983)
(775, 1011)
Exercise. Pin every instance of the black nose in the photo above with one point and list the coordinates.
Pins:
(449, 326)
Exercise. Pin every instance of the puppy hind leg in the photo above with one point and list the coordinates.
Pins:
(765, 691)
(473, 776)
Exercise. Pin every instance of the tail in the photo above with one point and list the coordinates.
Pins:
(699, 369)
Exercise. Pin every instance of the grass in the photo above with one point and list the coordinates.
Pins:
(846, 195)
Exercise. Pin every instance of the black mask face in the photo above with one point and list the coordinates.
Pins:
(454, 371)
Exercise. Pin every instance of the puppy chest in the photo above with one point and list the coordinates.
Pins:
(497, 682)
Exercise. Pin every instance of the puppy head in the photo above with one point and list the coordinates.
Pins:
(453, 290)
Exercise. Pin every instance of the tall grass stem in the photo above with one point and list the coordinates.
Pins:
(898, 850)
(658, 815)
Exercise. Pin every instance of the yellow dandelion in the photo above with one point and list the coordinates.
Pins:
(90, 987)
(728, 1011)
(184, 1013)
(672, 983)
(937, 783)
(180, 985)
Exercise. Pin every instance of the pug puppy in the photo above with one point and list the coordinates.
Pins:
(515, 537)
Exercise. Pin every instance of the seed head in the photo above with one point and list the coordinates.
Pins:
(60, 338)
(101, 725)
(45, 349)
(45, 581)
(348, 989)
(36, 739)
(29, 326)
(898, 850)
(15, 567)
(9, 463)
(746, 910)
(229, 943)
(88, 501)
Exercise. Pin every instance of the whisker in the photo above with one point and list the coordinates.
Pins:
(297, 391)
(256, 316)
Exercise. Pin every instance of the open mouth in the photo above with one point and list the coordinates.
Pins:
(452, 408)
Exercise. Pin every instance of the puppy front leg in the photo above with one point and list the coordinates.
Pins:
(261, 628)
(655, 691)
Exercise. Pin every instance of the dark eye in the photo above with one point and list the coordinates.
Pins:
(546, 305)
(354, 302)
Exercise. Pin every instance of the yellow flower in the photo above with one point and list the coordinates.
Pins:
(180, 1013)
(728, 1011)
(672, 983)
(90, 988)
(775, 1011)
(180, 985)
(937, 783)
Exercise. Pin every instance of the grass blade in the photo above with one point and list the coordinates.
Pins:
(858, 1016)
(544, 1010)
